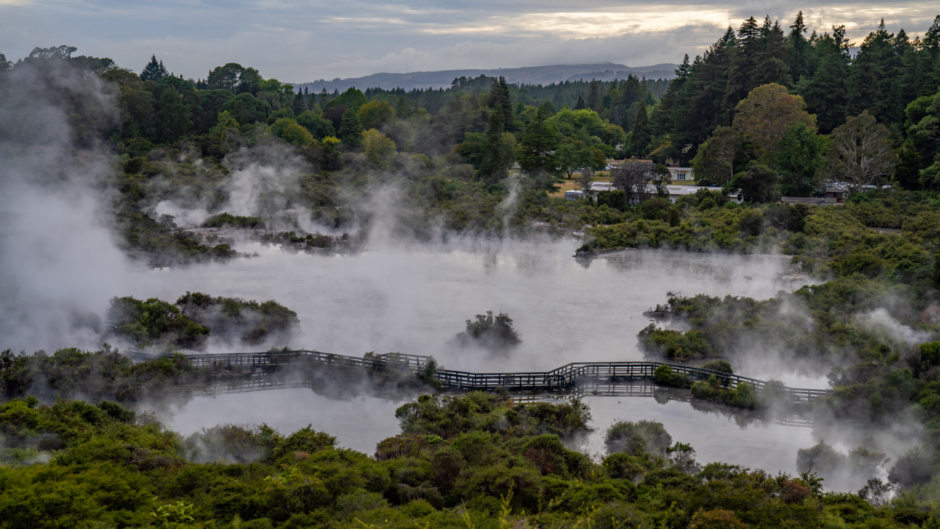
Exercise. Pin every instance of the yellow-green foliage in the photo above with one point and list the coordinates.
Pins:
(727, 228)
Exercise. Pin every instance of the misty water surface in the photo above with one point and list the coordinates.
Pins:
(360, 422)
(415, 299)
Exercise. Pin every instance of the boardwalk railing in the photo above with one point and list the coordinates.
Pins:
(256, 371)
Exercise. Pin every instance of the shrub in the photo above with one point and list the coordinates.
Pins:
(719, 365)
(665, 376)
(793, 492)
(716, 519)
(704, 390)
(636, 438)
(226, 219)
(490, 332)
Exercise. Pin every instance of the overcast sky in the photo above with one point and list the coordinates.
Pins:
(314, 39)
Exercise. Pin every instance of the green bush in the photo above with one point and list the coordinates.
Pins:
(495, 333)
(635, 438)
(719, 365)
(665, 376)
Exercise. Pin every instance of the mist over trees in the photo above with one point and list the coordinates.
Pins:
(194, 318)
(183, 169)
(494, 333)
(739, 102)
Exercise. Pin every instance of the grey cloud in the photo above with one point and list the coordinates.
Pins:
(632, 50)
(319, 39)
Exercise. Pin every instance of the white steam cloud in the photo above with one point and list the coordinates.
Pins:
(58, 261)
(880, 321)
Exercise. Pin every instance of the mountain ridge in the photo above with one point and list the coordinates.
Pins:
(532, 75)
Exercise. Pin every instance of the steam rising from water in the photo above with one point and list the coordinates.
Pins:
(59, 264)
(507, 207)
(60, 267)
(414, 299)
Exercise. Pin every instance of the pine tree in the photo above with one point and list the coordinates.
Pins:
(594, 95)
(825, 93)
(154, 71)
(872, 78)
(913, 78)
(350, 128)
(640, 139)
(799, 49)
(500, 103)
(631, 91)
(665, 117)
(930, 55)
(741, 78)
(496, 158)
(772, 59)
(711, 83)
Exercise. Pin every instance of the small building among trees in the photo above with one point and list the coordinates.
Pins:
(681, 174)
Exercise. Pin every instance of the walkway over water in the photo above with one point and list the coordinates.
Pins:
(292, 368)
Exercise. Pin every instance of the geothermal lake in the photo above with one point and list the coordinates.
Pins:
(415, 298)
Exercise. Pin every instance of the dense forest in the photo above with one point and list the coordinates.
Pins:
(765, 112)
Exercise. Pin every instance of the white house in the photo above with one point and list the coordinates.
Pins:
(681, 174)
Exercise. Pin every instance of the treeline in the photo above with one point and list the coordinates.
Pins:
(616, 101)
(180, 140)
(472, 461)
(159, 108)
(767, 110)
(752, 114)
(763, 104)
(888, 72)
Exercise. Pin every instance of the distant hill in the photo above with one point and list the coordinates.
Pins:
(533, 75)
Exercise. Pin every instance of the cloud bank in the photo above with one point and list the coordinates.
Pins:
(299, 42)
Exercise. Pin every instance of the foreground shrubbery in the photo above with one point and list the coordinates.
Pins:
(77, 464)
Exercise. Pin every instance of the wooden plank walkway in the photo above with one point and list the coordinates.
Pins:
(257, 371)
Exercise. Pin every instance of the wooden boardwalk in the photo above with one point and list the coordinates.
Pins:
(266, 370)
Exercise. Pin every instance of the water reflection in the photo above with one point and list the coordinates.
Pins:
(716, 436)
(755, 439)
(414, 299)
(359, 422)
